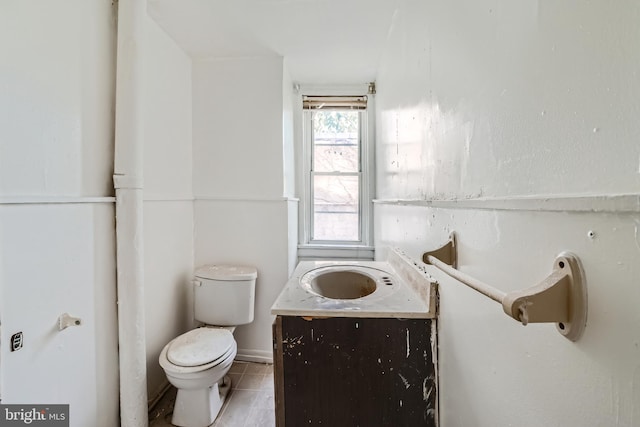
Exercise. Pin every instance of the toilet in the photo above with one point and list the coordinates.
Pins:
(197, 361)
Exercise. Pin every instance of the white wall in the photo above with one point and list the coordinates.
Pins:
(168, 194)
(238, 130)
(57, 86)
(251, 233)
(56, 223)
(496, 98)
(494, 371)
(507, 100)
(59, 259)
(241, 214)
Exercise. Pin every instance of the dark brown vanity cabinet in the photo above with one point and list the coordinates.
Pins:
(349, 372)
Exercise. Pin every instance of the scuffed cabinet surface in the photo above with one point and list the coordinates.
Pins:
(354, 372)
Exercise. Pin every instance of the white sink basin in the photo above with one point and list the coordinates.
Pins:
(348, 282)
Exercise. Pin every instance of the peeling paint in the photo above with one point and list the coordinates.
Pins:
(408, 348)
(434, 344)
(404, 381)
(426, 390)
(292, 342)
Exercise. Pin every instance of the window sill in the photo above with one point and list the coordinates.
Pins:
(320, 252)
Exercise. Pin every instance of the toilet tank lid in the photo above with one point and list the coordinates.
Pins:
(227, 272)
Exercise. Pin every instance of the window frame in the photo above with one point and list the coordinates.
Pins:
(362, 248)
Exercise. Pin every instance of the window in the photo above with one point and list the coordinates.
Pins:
(335, 175)
(337, 186)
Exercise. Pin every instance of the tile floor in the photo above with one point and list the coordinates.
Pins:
(250, 402)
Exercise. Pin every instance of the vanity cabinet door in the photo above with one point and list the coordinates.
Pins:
(354, 372)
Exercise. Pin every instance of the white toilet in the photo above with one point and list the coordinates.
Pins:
(197, 361)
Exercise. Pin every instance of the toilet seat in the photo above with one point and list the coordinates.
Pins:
(221, 356)
(199, 347)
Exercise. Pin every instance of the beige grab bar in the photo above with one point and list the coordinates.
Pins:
(483, 288)
(561, 297)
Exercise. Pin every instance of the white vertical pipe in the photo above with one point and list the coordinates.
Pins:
(128, 172)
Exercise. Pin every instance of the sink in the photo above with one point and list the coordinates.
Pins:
(347, 282)
(395, 288)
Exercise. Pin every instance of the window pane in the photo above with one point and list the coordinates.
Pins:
(336, 208)
(335, 141)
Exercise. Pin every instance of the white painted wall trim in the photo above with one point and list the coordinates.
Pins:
(259, 356)
(618, 203)
(245, 199)
(153, 198)
(45, 200)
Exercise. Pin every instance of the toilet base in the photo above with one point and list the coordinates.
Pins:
(199, 408)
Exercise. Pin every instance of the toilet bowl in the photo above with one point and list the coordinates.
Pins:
(196, 364)
(197, 361)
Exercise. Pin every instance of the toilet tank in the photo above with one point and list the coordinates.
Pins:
(224, 295)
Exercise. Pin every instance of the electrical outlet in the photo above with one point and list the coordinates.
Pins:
(16, 341)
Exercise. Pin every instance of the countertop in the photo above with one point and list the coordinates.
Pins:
(414, 297)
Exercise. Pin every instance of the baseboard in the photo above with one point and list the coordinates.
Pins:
(259, 356)
(153, 401)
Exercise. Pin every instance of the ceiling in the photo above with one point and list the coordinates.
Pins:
(322, 41)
